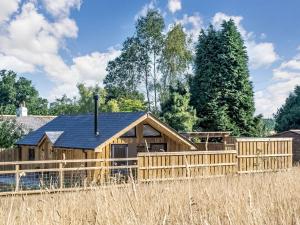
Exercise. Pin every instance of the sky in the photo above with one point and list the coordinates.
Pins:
(59, 43)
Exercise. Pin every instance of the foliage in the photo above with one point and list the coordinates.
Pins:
(124, 72)
(288, 116)
(14, 91)
(149, 31)
(176, 57)
(10, 132)
(221, 90)
(85, 102)
(125, 105)
(176, 110)
(63, 105)
(86, 98)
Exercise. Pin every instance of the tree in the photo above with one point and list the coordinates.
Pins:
(10, 133)
(124, 72)
(149, 31)
(64, 105)
(288, 116)
(221, 87)
(207, 83)
(176, 110)
(176, 56)
(85, 102)
(125, 105)
(14, 91)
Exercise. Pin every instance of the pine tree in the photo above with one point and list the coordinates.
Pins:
(221, 90)
(207, 84)
(176, 110)
(288, 116)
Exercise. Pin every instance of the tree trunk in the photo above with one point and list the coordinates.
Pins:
(154, 82)
(147, 89)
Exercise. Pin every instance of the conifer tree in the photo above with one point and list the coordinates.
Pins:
(221, 87)
(288, 116)
(176, 110)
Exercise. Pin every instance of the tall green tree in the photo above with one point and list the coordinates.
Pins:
(207, 83)
(14, 91)
(176, 56)
(288, 116)
(149, 31)
(221, 85)
(176, 110)
(124, 73)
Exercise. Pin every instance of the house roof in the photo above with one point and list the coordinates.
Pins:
(78, 131)
(30, 123)
(292, 130)
(295, 131)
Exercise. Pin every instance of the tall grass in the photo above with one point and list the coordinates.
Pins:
(270, 198)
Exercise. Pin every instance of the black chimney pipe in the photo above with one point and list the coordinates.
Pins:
(96, 98)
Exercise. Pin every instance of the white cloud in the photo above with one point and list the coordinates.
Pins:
(7, 7)
(219, 17)
(30, 42)
(145, 9)
(285, 78)
(192, 24)
(174, 5)
(9, 62)
(61, 8)
(261, 54)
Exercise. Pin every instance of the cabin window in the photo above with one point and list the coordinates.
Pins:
(31, 154)
(158, 147)
(149, 131)
(130, 133)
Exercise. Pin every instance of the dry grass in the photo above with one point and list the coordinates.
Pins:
(271, 198)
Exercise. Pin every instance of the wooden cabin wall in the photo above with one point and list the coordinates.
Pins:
(172, 143)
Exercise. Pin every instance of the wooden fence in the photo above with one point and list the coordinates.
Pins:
(251, 155)
(53, 175)
(263, 154)
(9, 154)
(178, 165)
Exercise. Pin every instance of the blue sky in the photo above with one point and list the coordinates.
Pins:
(58, 43)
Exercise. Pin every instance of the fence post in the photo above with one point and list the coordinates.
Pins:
(61, 176)
(17, 177)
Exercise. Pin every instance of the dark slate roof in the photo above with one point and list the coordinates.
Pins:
(78, 131)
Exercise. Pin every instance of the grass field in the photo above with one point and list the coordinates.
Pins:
(270, 198)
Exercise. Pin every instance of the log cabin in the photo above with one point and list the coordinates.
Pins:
(101, 135)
